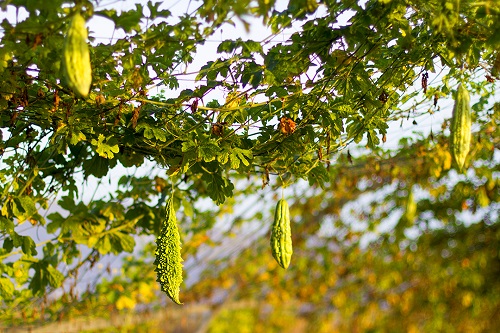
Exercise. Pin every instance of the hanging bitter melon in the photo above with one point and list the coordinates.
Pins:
(281, 235)
(461, 126)
(77, 71)
(168, 255)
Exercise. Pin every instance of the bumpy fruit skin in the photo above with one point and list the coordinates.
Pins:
(281, 235)
(76, 67)
(461, 127)
(168, 260)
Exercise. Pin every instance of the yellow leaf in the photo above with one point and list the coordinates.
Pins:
(447, 160)
(146, 291)
(482, 197)
(125, 302)
(233, 99)
(467, 299)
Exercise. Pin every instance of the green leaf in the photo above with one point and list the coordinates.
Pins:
(8, 244)
(127, 20)
(77, 137)
(28, 246)
(208, 151)
(151, 132)
(6, 225)
(97, 166)
(373, 139)
(67, 202)
(23, 208)
(243, 155)
(45, 275)
(103, 245)
(54, 277)
(105, 147)
(219, 188)
(130, 158)
(56, 221)
(122, 242)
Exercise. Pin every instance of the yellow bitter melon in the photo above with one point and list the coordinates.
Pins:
(168, 260)
(77, 71)
(461, 126)
(411, 209)
(281, 235)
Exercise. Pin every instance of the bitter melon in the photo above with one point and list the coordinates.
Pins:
(77, 70)
(168, 260)
(461, 126)
(281, 235)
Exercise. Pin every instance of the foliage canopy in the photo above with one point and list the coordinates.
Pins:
(318, 106)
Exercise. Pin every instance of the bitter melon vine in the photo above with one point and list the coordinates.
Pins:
(168, 255)
(281, 235)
